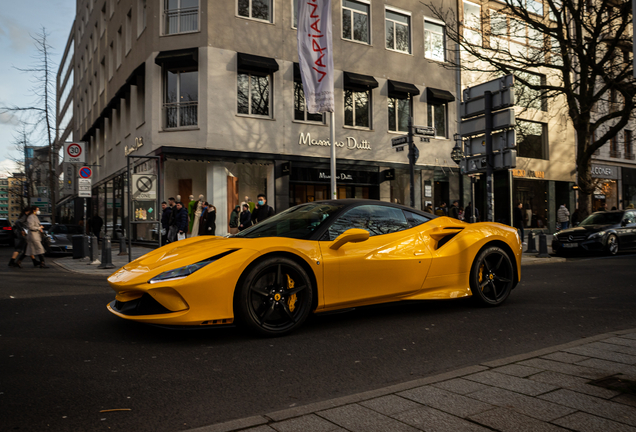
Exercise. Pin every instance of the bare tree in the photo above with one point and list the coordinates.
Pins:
(41, 113)
(577, 49)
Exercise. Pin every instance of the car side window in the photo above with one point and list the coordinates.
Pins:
(630, 217)
(415, 219)
(377, 220)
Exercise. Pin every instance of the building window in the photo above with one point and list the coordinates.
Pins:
(527, 97)
(300, 107)
(629, 149)
(357, 105)
(181, 16)
(614, 153)
(119, 48)
(294, 14)
(181, 98)
(355, 21)
(434, 40)
(253, 94)
(111, 61)
(128, 31)
(255, 9)
(532, 139)
(141, 16)
(399, 114)
(472, 23)
(436, 113)
(398, 35)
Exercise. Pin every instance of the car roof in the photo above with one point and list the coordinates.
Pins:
(354, 202)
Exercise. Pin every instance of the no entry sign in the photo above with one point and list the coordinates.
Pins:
(85, 172)
(74, 152)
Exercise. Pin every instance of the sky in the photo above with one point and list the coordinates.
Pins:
(19, 19)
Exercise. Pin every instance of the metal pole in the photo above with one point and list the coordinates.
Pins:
(472, 199)
(332, 141)
(490, 197)
(159, 198)
(85, 225)
(129, 224)
(411, 162)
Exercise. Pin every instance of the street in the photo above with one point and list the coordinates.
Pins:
(64, 358)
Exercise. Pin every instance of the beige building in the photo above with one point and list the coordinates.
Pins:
(212, 89)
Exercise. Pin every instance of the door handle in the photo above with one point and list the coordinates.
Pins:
(419, 253)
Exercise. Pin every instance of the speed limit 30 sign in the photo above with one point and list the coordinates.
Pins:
(74, 152)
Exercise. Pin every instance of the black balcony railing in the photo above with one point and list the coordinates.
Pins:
(629, 156)
(181, 114)
(615, 154)
(182, 20)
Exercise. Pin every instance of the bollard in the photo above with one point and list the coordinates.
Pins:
(543, 247)
(122, 246)
(94, 250)
(532, 247)
(107, 260)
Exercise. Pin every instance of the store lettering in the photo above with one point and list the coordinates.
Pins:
(601, 171)
(341, 176)
(529, 173)
(351, 143)
(139, 142)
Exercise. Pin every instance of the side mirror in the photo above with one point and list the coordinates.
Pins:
(353, 235)
(624, 222)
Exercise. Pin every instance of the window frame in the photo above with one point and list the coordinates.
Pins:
(397, 115)
(328, 232)
(304, 105)
(177, 104)
(369, 109)
(368, 15)
(406, 14)
(271, 12)
(165, 17)
(476, 30)
(544, 140)
(426, 32)
(429, 106)
(270, 104)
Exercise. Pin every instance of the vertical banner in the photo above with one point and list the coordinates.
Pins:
(315, 54)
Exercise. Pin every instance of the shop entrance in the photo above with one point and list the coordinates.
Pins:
(302, 193)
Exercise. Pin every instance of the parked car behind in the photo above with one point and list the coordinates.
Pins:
(61, 236)
(6, 233)
(605, 231)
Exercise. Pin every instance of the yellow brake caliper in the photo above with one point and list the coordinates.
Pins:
(481, 275)
(292, 298)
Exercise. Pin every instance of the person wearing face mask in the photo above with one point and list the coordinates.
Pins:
(262, 210)
(34, 238)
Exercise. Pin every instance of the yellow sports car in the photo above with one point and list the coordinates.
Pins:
(318, 257)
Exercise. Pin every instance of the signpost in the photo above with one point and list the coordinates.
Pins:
(489, 107)
(74, 152)
(85, 172)
(400, 142)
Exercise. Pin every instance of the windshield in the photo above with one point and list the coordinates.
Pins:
(298, 222)
(602, 219)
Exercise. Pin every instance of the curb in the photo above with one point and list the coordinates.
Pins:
(286, 414)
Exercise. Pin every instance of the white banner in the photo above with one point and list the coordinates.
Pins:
(315, 54)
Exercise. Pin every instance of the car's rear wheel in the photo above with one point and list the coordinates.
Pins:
(275, 296)
(611, 247)
(491, 276)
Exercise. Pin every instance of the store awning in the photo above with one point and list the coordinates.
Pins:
(438, 95)
(253, 63)
(178, 58)
(354, 81)
(400, 89)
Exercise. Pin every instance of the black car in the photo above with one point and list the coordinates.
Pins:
(61, 238)
(606, 231)
(6, 233)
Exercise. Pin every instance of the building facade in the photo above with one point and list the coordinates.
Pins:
(213, 90)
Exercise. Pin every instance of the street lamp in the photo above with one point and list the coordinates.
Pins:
(457, 154)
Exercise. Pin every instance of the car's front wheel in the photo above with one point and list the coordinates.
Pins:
(611, 247)
(275, 296)
(491, 276)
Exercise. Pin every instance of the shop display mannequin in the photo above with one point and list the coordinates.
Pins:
(197, 216)
(192, 207)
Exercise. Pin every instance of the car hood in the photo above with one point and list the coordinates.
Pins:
(588, 229)
(62, 238)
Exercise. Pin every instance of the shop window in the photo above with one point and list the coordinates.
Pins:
(434, 40)
(355, 21)
(472, 23)
(356, 106)
(436, 113)
(255, 9)
(398, 32)
(254, 94)
(181, 16)
(532, 139)
(181, 98)
(377, 220)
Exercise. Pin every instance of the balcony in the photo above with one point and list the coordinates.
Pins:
(180, 114)
(181, 20)
(629, 156)
(615, 154)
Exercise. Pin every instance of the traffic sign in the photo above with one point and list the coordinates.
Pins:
(144, 187)
(424, 130)
(74, 152)
(84, 187)
(400, 141)
(506, 159)
(500, 141)
(85, 172)
(496, 85)
(475, 164)
(477, 125)
(477, 105)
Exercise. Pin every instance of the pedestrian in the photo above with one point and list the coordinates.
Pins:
(19, 238)
(575, 217)
(165, 222)
(454, 210)
(172, 227)
(34, 238)
(517, 221)
(245, 219)
(234, 219)
(468, 211)
(461, 214)
(262, 211)
(563, 216)
(180, 222)
(441, 210)
(209, 224)
(96, 224)
(429, 209)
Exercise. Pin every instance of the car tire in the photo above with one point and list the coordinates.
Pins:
(274, 297)
(491, 277)
(611, 245)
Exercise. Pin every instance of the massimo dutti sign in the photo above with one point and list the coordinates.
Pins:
(351, 143)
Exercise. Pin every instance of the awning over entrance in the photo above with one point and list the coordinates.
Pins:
(178, 58)
(253, 63)
(438, 95)
(398, 89)
(354, 81)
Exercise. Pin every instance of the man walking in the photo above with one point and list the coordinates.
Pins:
(180, 221)
(563, 217)
(454, 210)
(165, 221)
(262, 210)
(517, 220)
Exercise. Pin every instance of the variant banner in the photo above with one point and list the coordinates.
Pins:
(315, 54)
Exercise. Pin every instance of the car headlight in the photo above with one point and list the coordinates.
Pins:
(51, 238)
(596, 235)
(186, 271)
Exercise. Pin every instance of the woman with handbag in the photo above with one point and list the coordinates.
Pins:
(34, 238)
(19, 238)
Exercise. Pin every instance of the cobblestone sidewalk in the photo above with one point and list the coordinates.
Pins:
(586, 385)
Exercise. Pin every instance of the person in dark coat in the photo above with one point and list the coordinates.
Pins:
(517, 220)
(468, 213)
(454, 210)
(19, 238)
(96, 224)
(180, 219)
(165, 221)
(245, 218)
(234, 219)
(262, 211)
(209, 226)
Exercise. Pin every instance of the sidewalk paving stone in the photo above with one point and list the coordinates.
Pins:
(586, 350)
(517, 370)
(512, 383)
(565, 357)
(308, 423)
(584, 422)
(607, 346)
(569, 369)
(609, 366)
(593, 405)
(446, 401)
(626, 399)
(574, 383)
(505, 420)
(622, 341)
(430, 419)
(390, 404)
(356, 418)
(460, 386)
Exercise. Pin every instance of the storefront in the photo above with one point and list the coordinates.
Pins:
(628, 178)
(606, 194)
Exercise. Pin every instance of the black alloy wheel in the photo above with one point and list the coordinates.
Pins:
(611, 247)
(491, 276)
(275, 297)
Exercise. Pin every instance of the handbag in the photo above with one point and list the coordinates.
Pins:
(181, 236)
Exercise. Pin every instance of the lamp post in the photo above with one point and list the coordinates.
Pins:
(458, 153)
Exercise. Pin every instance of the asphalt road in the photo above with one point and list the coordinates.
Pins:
(64, 358)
